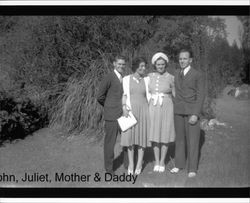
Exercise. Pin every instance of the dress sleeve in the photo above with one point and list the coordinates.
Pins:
(148, 95)
(150, 77)
(125, 85)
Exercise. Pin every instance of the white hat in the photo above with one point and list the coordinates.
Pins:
(159, 55)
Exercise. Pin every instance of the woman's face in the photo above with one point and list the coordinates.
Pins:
(141, 69)
(160, 66)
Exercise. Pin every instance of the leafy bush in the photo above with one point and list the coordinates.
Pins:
(19, 117)
(58, 61)
(76, 108)
(208, 110)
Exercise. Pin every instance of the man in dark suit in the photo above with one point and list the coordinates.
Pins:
(110, 97)
(190, 94)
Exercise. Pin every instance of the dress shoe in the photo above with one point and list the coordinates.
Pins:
(191, 174)
(138, 171)
(174, 170)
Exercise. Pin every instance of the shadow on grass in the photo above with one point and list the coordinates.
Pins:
(170, 153)
(149, 154)
(122, 159)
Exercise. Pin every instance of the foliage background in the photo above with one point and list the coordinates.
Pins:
(55, 63)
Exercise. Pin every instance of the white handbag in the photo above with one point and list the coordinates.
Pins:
(127, 122)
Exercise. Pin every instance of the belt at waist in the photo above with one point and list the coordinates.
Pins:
(159, 96)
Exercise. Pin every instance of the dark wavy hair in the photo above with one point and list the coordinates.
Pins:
(116, 58)
(136, 62)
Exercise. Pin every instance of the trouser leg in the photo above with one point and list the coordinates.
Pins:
(111, 130)
(193, 138)
(180, 159)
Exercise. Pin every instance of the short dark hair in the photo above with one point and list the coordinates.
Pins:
(136, 62)
(117, 57)
(188, 51)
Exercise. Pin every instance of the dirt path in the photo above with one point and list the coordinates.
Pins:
(224, 158)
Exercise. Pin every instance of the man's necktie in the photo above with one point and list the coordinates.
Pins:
(182, 73)
(120, 79)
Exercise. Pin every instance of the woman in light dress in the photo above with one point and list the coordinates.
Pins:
(161, 89)
(135, 99)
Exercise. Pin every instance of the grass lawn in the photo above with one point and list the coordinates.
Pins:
(224, 160)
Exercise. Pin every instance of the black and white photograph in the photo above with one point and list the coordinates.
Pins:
(124, 100)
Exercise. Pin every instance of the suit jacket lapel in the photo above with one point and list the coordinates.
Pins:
(116, 79)
(114, 75)
(181, 80)
(189, 74)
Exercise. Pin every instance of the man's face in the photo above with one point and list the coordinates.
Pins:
(119, 65)
(184, 59)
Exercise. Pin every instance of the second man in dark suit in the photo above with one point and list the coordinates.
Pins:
(189, 88)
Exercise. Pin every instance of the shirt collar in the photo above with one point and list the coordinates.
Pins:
(186, 69)
(118, 74)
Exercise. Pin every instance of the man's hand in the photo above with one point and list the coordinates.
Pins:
(193, 119)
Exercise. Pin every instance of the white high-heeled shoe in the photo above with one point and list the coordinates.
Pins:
(130, 171)
(138, 171)
(156, 168)
(161, 169)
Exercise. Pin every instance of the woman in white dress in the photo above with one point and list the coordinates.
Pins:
(135, 99)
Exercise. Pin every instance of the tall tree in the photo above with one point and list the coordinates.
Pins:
(245, 41)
